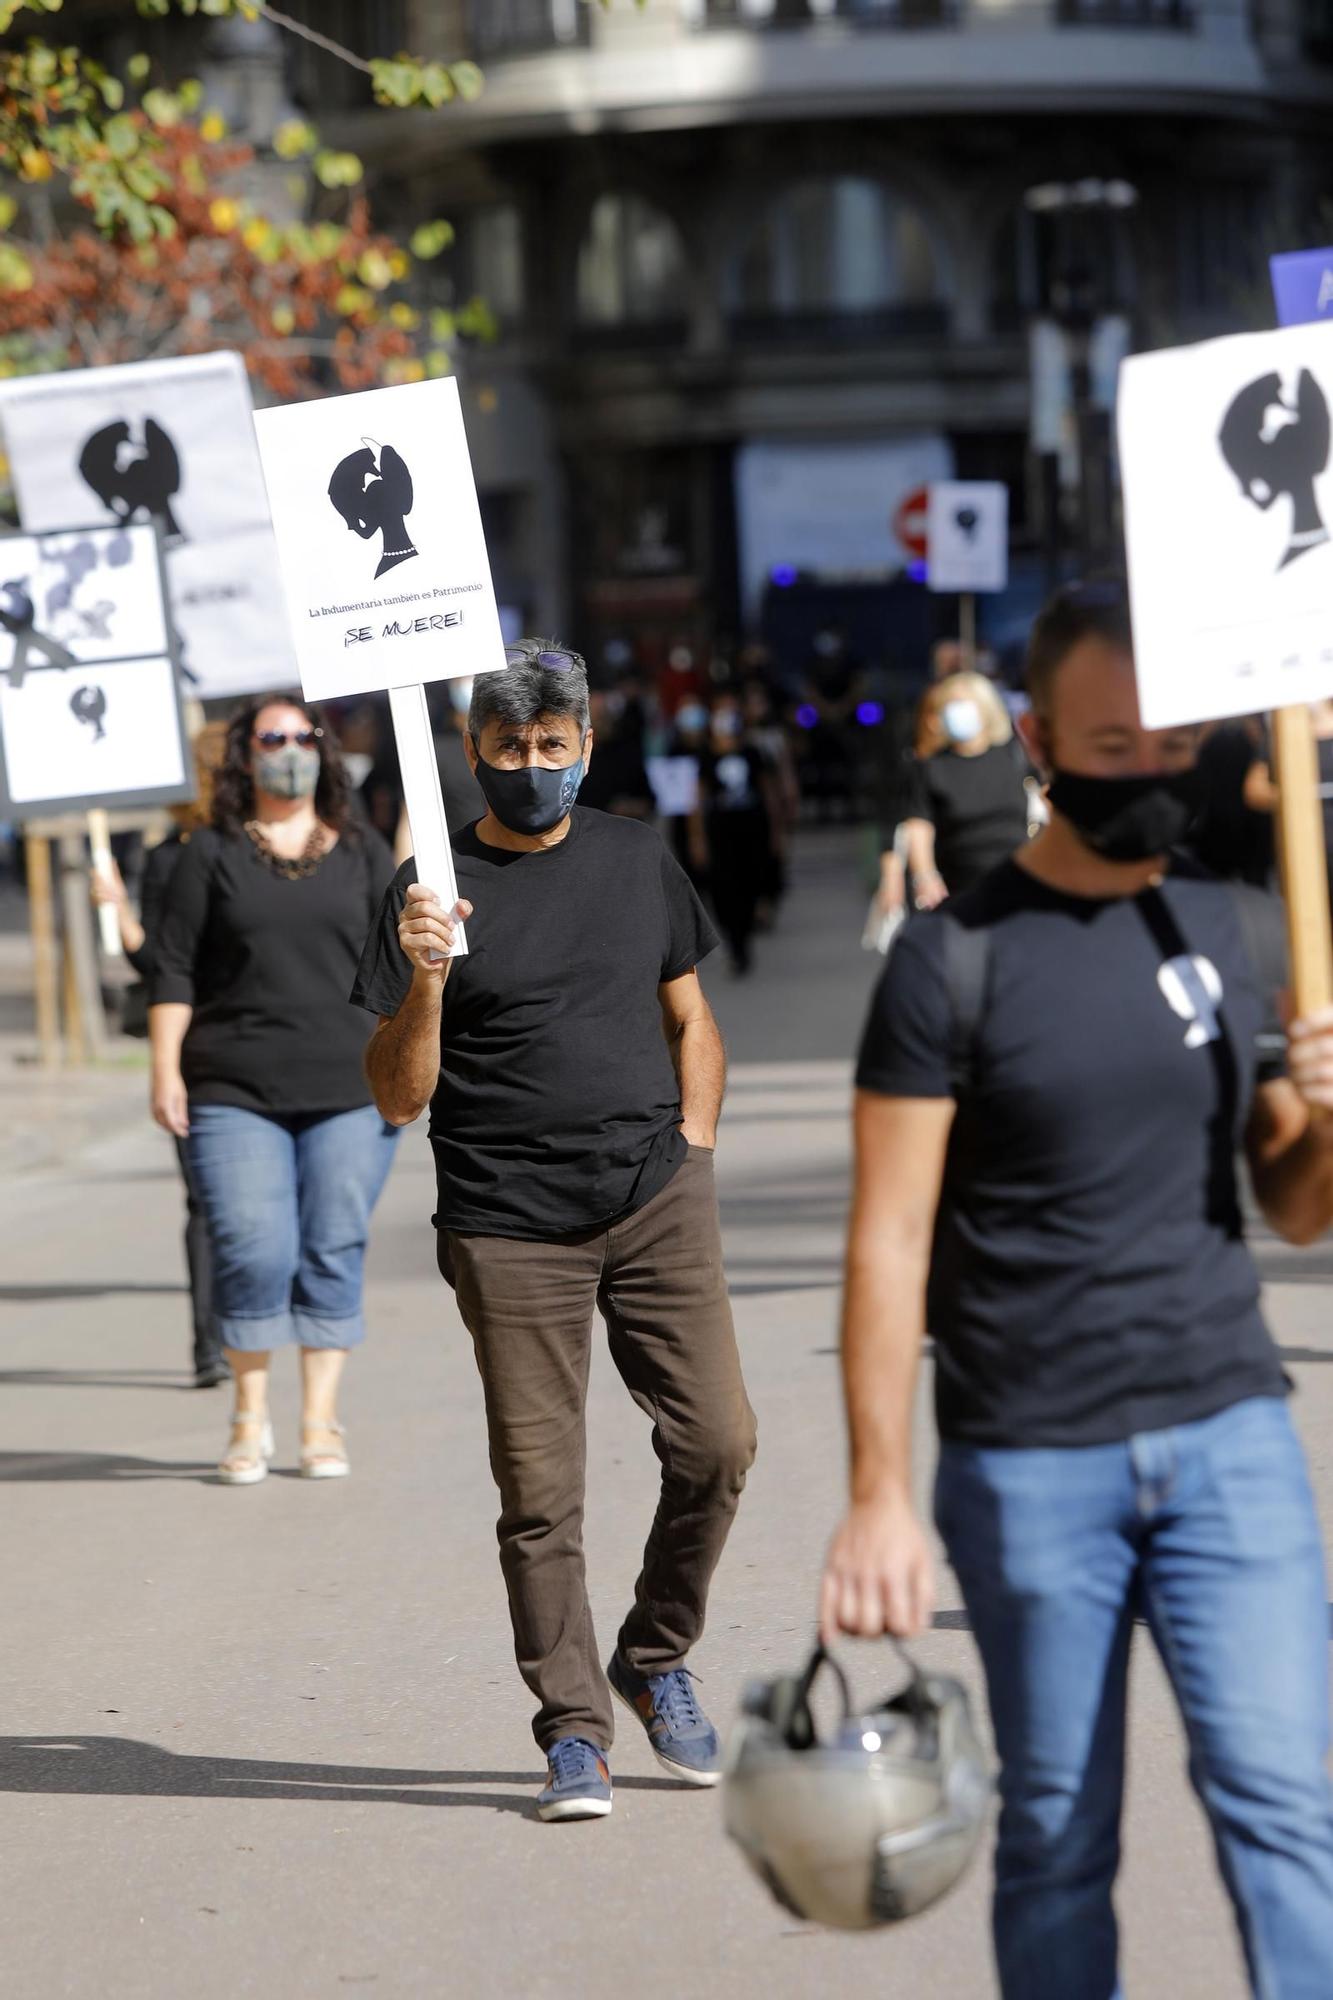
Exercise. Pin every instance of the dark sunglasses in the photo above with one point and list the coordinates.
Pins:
(278, 739)
(553, 658)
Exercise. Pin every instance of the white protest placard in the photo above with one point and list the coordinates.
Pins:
(1225, 460)
(379, 532)
(967, 530)
(384, 563)
(168, 442)
(89, 707)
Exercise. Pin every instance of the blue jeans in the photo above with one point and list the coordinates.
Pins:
(288, 1201)
(1209, 1530)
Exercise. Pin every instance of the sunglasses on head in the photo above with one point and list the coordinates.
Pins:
(554, 659)
(278, 739)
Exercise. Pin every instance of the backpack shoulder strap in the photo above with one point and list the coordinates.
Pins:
(966, 974)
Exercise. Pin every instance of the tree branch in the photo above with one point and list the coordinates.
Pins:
(332, 48)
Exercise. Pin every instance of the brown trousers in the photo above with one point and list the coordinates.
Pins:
(658, 1282)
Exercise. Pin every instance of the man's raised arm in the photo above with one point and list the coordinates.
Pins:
(403, 1054)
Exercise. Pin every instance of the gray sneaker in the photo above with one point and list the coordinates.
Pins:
(684, 1740)
(578, 1781)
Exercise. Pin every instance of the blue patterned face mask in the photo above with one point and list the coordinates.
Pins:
(530, 800)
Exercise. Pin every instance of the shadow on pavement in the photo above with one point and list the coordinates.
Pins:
(41, 1466)
(88, 1766)
(114, 1288)
(93, 1378)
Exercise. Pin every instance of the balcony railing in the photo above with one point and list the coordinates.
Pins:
(801, 13)
(939, 13)
(1124, 13)
(526, 27)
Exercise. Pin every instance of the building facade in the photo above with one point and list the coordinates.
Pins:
(763, 268)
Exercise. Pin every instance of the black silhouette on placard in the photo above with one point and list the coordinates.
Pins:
(968, 520)
(88, 705)
(372, 490)
(18, 617)
(1277, 446)
(135, 476)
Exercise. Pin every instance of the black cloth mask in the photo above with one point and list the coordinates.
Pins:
(1128, 819)
(530, 800)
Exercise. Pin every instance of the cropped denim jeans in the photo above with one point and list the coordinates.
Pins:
(288, 1201)
(1210, 1531)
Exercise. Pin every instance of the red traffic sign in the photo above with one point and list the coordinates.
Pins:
(910, 523)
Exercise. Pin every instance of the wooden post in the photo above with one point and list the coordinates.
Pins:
(967, 630)
(77, 911)
(99, 840)
(42, 926)
(1303, 859)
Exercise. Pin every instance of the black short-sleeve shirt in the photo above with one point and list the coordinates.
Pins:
(978, 806)
(265, 962)
(1090, 1277)
(558, 1107)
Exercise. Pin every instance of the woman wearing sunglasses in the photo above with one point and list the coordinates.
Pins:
(257, 1065)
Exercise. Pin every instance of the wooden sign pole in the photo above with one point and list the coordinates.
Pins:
(425, 801)
(76, 909)
(967, 630)
(45, 970)
(1303, 859)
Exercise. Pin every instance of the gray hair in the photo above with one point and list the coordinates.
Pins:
(527, 691)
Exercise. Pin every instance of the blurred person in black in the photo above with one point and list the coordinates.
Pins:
(686, 744)
(1233, 832)
(617, 778)
(764, 732)
(737, 816)
(971, 796)
(138, 937)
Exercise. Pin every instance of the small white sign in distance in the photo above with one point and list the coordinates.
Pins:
(968, 535)
(1225, 453)
(384, 562)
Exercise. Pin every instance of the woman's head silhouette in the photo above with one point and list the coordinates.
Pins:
(372, 490)
(1277, 444)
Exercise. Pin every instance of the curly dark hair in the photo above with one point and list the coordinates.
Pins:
(234, 789)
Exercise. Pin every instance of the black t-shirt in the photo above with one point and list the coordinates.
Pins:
(1090, 1278)
(978, 807)
(1229, 837)
(558, 1107)
(266, 963)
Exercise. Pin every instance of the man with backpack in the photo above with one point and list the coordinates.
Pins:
(1057, 1073)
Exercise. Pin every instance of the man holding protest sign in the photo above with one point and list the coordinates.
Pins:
(1055, 1076)
(574, 1075)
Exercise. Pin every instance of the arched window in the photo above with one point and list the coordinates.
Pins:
(631, 266)
(842, 252)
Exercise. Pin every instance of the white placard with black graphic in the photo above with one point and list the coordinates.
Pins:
(1225, 455)
(89, 706)
(379, 532)
(169, 442)
(968, 535)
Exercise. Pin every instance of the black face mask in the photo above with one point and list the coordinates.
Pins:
(1128, 819)
(530, 800)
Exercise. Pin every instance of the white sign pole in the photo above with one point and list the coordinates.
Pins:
(99, 839)
(420, 770)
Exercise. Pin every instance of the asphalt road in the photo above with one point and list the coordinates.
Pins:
(270, 1741)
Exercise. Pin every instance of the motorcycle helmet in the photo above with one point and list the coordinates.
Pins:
(870, 1826)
